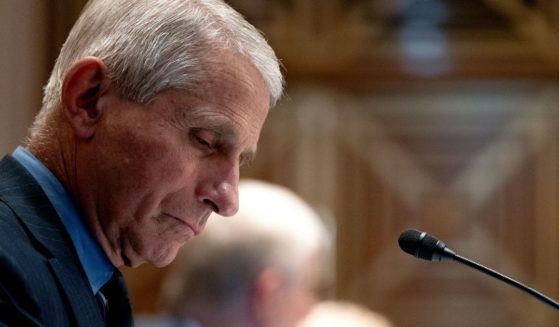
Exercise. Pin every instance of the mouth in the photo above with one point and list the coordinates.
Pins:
(195, 229)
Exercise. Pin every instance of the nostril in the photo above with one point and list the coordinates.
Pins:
(212, 205)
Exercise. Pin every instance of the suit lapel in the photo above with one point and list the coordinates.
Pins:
(26, 198)
(80, 299)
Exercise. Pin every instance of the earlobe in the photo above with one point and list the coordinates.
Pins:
(84, 84)
(264, 288)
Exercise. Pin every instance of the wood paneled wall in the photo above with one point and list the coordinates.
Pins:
(31, 34)
(473, 163)
(23, 66)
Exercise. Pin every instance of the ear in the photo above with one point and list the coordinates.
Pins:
(85, 82)
(264, 291)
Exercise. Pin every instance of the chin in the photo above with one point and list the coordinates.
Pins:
(163, 263)
(164, 258)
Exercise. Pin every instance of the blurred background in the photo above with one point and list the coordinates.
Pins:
(441, 115)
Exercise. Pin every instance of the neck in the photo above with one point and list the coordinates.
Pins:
(68, 159)
(55, 148)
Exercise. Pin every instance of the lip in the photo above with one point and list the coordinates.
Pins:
(195, 230)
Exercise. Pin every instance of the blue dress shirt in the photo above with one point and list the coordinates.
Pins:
(94, 261)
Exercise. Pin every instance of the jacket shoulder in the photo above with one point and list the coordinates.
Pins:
(29, 295)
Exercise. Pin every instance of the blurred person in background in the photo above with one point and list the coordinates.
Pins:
(259, 269)
(343, 313)
(149, 112)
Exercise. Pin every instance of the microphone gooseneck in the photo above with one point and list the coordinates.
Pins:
(424, 246)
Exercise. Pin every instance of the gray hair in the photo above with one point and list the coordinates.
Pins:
(273, 228)
(151, 46)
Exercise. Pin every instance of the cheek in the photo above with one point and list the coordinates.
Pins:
(138, 174)
(146, 161)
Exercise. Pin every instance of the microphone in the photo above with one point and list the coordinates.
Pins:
(424, 246)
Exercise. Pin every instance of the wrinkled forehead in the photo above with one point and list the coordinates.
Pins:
(223, 66)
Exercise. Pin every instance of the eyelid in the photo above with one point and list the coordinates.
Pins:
(200, 137)
(215, 141)
(202, 141)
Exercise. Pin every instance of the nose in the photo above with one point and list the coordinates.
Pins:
(223, 200)
(220, 192)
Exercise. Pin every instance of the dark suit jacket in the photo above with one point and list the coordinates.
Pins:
(42, 282)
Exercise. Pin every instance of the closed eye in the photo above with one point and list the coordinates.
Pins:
(203, 139)
(202, 142)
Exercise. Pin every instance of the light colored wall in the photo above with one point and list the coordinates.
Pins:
(23, 53)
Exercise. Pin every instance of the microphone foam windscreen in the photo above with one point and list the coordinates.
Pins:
(409, 241)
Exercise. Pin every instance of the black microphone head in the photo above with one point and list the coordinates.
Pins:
(424, 246)
(409, 240)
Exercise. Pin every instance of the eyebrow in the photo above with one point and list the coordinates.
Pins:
(227, 132)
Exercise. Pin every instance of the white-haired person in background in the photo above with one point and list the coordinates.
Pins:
(343, 314)
(258, 269)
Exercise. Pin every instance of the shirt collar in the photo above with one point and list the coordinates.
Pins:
(94, 261)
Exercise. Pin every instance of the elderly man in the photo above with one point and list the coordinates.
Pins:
(150, 110)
